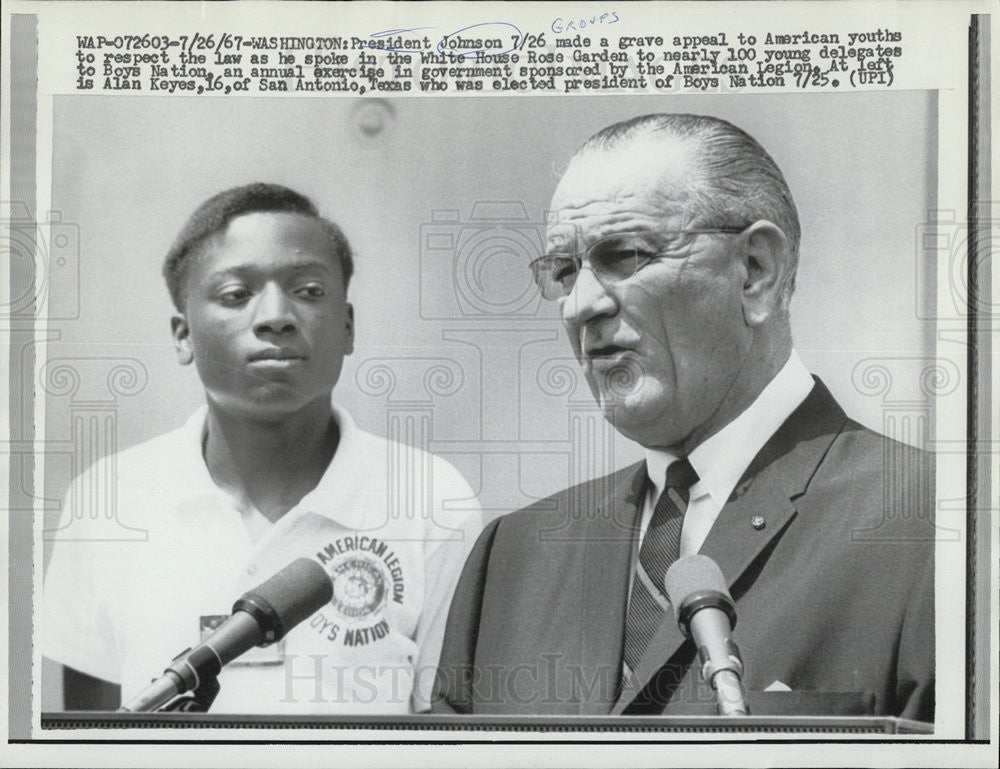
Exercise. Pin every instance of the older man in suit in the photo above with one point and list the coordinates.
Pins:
(673, 254)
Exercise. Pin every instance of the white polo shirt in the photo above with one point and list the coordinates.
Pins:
(392, 525)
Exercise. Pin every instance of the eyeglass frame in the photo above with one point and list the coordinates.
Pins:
(578, 260)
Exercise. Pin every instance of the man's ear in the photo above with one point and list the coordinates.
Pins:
(181, 332)
(349, 330)
(765, 260)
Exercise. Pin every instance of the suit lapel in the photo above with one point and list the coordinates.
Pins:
(759, 509)
(606, 568)
(735, 541)
(734, 544)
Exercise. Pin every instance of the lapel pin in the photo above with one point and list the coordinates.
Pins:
(757, 522)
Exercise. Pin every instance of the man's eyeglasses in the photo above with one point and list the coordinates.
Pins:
(556, 273)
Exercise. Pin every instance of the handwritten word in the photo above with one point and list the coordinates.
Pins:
(560, 25)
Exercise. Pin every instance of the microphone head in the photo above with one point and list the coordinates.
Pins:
(290, 596)
(695, 582)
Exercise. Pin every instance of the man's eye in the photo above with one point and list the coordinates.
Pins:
(619, 263)
(312, 291)
(562, 268)
(641, 257)
(234, 295)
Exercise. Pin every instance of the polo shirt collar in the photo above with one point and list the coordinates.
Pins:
(338, 495)
(190, 463)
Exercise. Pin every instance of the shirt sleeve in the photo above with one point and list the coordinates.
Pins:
(453, 530)
(76, 626)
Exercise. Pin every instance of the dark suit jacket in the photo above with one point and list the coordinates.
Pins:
(833, 594)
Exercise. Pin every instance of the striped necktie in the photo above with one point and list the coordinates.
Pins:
(660, 548)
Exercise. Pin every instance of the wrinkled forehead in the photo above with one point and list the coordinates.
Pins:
(643, 185)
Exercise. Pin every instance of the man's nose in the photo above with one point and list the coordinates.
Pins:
(589, 298)
(274, 313)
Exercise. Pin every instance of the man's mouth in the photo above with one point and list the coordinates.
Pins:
(606, 351)
(276, 358)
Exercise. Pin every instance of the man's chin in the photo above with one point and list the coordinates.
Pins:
(637, 415)
(619, 379)
(265, 405)
(624, 412)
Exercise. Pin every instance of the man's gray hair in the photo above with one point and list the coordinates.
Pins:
(740, 182)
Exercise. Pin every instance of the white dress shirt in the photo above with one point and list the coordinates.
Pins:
(721, 460)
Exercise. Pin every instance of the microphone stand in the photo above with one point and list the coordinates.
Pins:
(198, 700)
(190, 684)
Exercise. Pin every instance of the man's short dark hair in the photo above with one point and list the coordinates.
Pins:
(215, 214)
(740, 182)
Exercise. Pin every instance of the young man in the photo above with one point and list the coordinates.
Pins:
(267, 472)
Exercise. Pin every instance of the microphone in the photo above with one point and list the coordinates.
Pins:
(260, 617)
(705, 612)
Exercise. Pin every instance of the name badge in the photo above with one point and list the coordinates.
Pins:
(258, 656)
